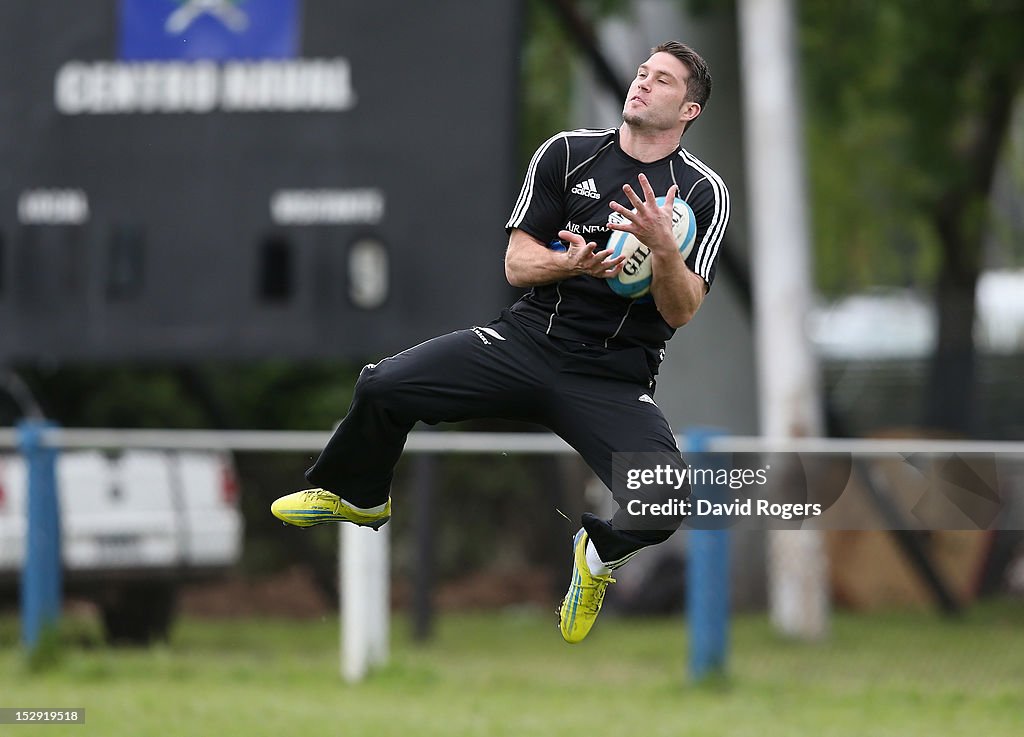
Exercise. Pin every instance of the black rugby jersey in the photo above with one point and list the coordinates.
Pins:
(570, 181)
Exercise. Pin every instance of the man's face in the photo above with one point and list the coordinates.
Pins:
(657, 96)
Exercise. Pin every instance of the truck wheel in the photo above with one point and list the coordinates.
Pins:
(138, 614)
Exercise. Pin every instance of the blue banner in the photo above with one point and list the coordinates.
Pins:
(209, 29)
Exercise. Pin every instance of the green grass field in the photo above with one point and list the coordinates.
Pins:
(510, 674)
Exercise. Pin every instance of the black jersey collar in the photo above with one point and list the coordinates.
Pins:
(623, 154)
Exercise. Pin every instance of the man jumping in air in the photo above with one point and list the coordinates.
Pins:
(571, 355)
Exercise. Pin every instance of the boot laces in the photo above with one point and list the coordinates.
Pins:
(592, 603)
(318, 495)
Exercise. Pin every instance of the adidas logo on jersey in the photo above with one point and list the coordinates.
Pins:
(587, 189)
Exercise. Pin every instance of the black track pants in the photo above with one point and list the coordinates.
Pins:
(590, 397)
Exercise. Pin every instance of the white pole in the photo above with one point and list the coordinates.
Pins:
(364, 600)
(380, 597)
(780, 240)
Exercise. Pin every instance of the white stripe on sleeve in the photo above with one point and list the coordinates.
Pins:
(709, 245)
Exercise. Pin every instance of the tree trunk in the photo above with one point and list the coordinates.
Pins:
(949, 398)
(960, 221)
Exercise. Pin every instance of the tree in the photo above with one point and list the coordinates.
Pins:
(909, 107)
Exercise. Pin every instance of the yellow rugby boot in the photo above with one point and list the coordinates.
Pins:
(315, 506)
(582, 603)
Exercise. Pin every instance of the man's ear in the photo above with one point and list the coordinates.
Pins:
(689, 111)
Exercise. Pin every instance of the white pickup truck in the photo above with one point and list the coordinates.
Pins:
(135, 524)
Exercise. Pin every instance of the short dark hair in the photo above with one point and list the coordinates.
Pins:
(698, 87)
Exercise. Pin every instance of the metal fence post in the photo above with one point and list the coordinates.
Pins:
(424, 485)
(41, 571)
(707, 584)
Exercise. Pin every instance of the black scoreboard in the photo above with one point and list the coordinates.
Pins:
(191, 179)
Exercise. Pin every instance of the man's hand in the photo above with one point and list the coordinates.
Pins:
(677, 291)
(582, 259)
(652, 225)
(529, 263)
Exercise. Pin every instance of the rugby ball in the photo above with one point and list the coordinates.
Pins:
(635, 278)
